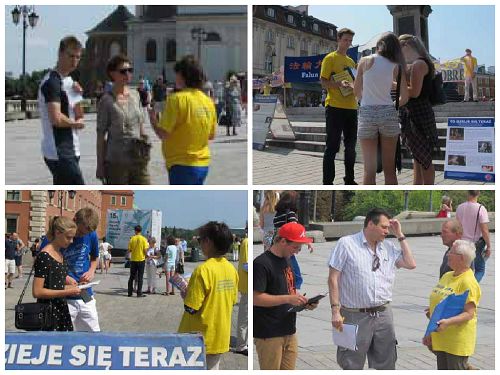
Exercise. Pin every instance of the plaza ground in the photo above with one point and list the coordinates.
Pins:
(285, 166)
(24, 163)
(410, 298)
(119, 313)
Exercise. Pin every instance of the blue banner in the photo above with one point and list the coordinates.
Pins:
(103, 351)
(303, 68)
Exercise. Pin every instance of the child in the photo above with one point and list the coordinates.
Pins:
(169, 265)
(446, 207)
(212, 293)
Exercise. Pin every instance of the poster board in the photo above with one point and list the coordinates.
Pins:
(470, 149)
(263, 112)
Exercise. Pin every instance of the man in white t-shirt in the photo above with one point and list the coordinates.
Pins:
(474, 219)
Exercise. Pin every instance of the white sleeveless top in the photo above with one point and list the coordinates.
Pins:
(377, 82)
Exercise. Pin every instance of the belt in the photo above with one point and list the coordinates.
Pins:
(368, 309)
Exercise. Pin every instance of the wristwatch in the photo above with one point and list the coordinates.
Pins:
(335, 305)
(402, 238)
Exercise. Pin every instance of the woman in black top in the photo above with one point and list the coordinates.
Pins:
(418, 124)
(50, 272)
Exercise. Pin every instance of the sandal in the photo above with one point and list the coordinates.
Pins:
(164, 294)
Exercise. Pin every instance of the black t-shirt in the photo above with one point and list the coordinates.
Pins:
(10, 249)
(273, 275)
(158, 93)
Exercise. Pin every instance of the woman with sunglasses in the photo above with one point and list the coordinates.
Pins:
(186, 125)
(454, 340)
(120, 129)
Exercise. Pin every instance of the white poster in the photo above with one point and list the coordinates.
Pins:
(263, 112)
(470, 149)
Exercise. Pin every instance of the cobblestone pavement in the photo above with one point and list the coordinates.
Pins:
(282, 166)
(24, 163)
(410, 297)
(119, 313)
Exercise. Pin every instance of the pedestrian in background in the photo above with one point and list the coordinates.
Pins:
(138, 247)
(152, 257)
(266, 217)
(242, 324)
(470, 71)
(169, 265)
(49, 283)
(446, 207)
(233, 104)
(474, 219)
(187, 124)
(378, 121)
(122, 152)
(212, 293)
(418, 124)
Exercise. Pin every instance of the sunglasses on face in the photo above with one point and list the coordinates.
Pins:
(124, 71)
(376, 263)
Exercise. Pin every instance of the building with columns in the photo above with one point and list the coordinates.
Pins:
(280, 31)
(28, 212)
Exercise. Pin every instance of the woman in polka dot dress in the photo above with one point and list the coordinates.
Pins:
(49, 284)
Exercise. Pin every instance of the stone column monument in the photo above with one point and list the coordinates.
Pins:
(411, 19)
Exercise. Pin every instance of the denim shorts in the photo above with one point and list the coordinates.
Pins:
(378, 119)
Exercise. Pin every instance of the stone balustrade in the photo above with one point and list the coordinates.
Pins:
(13, 109)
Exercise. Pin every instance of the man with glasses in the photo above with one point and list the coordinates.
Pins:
(81, 258)
(60, 143)
(361, 276)
(274, 293)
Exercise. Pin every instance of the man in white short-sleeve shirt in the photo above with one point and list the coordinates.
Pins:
(361, 277)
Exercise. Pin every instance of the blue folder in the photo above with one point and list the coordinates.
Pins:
(452, 305)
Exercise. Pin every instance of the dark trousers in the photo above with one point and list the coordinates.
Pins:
(340, 121)
(136, 271)
(447, 361)
(65, 171)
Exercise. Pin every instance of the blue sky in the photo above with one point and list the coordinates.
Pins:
(191, 209)
(42, 41)
(452, 28)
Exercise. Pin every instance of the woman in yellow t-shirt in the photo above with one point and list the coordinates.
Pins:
(212, 292)
(187, 123)
(455, 339)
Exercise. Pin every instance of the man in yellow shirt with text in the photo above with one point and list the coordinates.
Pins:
(138, 247)
(470, 70)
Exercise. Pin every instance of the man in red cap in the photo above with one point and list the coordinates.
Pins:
(274, 293)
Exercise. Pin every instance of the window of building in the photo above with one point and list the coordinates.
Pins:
(268, 63)
(303, 48)
(304, 23)
(270, 12)
(123, 201)
(316, 28)
(151, 51)
(10, 224)
(14, 195)
(114, 49)
(113, 200)
(290, 19)
(315, 49)
(171, 50)
(290, 42)
(330, 33)
(269, 36)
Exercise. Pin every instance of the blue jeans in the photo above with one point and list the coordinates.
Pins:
(65, 171)
(479, 266)
(186, 175)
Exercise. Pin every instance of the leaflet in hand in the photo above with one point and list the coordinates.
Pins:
(346, 338)
(345, 75)
(89, 285)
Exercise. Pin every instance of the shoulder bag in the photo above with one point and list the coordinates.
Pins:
(34, 316)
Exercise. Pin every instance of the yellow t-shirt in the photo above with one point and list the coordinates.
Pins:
(470, 65)
(137, 246)
(267, 89)
(189, 118)
(212, 291)
(334, 63)
(456, 339)
(242, 274)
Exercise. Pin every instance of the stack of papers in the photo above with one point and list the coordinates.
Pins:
(346, 338)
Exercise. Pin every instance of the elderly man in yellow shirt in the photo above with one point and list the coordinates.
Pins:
(187, 124)
(138, 247)
(470, 69)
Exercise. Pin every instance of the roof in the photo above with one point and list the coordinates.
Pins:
(115, 22)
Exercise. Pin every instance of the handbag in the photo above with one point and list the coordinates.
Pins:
(140, 150)
(437, 95)
(33, 316)
(179, 268)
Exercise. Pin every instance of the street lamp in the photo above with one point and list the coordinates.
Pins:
(60, 197)
(199, 34)
(28, 12)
